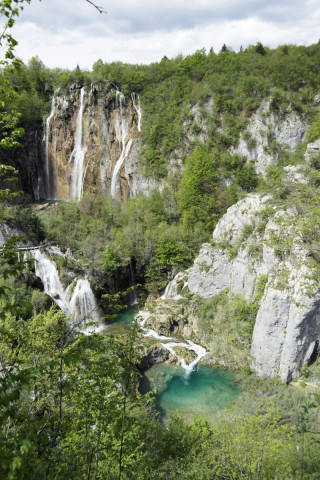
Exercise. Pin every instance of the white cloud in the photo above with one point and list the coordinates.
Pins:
(141, 31)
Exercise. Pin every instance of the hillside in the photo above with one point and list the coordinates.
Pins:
(196, 181)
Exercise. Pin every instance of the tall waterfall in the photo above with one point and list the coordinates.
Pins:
(136, 105)
(121, 131)
(76, 160)
(49, 167)
(89, 143)
(79, 301)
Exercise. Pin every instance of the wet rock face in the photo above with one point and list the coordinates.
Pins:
(28, 160)
(93, 133)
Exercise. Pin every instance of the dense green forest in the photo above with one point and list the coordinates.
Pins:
(70, 405)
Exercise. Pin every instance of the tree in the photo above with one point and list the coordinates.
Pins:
(199, 182)
(259, 48)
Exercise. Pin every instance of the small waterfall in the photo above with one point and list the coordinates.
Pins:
(168, 344)
(76, 160)
(36, 185)
(83, 303)
(49, 170)
(121, 132)
(47, 271)
(136, 106)
(133, 293)
(173, 289)
(78, 301)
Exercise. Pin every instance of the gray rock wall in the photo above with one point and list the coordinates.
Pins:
(287, 326)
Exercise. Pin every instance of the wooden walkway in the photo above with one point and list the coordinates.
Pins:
(25, 249)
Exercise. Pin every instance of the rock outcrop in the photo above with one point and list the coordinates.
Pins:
(253, 241)
(268, 132)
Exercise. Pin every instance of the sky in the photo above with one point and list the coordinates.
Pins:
(69, 33)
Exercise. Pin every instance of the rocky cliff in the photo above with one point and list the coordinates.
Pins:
(265, 240)
(267, 133)
(91, 143)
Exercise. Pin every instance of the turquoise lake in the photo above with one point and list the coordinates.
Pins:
(206, 391)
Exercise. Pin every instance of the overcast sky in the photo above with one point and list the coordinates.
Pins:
(65, 33)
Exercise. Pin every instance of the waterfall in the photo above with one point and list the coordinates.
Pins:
(170, 345)
(50, 175)
(136, 106)
(133, 293)
(83, 303)
(105, 158)
(47, 271)
(174, 287)
(79, 301)
(121, 131)
(114, 180)
(76, 160)
(36, 185)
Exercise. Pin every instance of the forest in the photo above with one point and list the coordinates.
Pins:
(71, 404)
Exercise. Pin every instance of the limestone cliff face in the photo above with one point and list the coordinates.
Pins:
(255, 241)
(267, 132)
(91, 144)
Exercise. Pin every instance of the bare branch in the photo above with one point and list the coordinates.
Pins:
(100, 9)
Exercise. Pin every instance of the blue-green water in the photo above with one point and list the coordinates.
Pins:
(126, 316)
(122, 322)
(206, 391)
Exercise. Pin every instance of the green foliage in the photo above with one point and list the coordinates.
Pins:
(314, 130)
(202, 199)
(22, 218)
(198, 185)
(110, 261)
(226, 323)
(72, 397)
(7, 174)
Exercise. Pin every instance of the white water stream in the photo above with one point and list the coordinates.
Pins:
(136, 106)
(170, 343)
(121, 125)
(82, 302)
(78, 302)
(49, 180)
(76, 160)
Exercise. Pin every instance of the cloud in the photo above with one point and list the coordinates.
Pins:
(141, 31)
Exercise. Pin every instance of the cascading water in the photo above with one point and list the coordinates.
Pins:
(76, 160)
(49, 168)
(79, 301)
(121, 133)
(47, 271)
(83, 303)
(133, 293)
(136, 106)
(168, 344)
